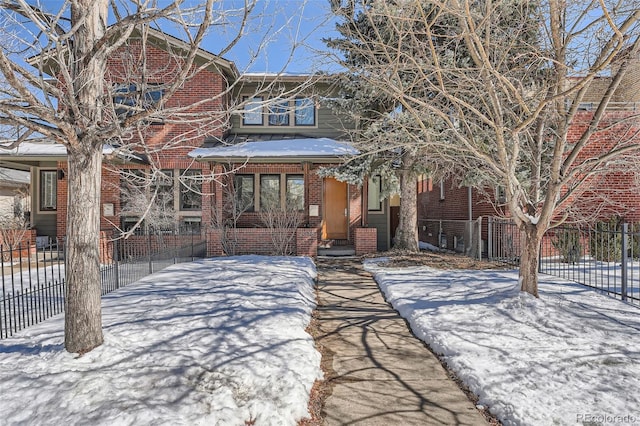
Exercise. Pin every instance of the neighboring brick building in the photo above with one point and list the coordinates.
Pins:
(616, 193)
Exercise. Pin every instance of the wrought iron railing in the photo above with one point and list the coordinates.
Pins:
(32, 285)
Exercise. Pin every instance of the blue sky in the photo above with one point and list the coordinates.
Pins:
(274, 29)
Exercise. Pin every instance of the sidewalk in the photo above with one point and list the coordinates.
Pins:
(380, 373)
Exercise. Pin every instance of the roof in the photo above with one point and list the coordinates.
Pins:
(17, 177)
(283, 150)
(49, 151)
(158, 38)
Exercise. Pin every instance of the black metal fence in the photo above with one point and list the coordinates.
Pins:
(604, 256)
(461, 236)
(32, 286)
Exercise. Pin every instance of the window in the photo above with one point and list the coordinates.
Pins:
(130, 98)
(305, 112)
(374, 202)
(244, 193)
(190, 190)
(191, 225)
(501, 194)
(279, 113)
(163, 189)
(295, 192)
(252, 115)
(171, 193)
(441, 190)
(269, 192)
(48, 190)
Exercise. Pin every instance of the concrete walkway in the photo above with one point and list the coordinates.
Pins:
(379, 373)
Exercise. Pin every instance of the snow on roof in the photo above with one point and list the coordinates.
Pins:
(285, 148)
(14, 176)
(58, 150)
(40, 149)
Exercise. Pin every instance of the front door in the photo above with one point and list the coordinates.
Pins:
(335, 210)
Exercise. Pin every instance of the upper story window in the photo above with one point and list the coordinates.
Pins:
(305, 112)
(299, 112)
(130, 98)
(252, 115)
(279, 114)
(48, 190)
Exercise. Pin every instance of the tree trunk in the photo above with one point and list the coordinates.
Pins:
(83, 313)
(407, 232)
(529, 260)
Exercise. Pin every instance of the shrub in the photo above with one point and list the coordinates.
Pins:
(605, 241)
(567, 242)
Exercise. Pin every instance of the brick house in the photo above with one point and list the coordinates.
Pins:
(195, 165)
(608, 195)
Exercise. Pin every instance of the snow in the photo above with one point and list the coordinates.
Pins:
(48, 149)
(217, 341)
(427, 246)
(311, 147)
(569, 357)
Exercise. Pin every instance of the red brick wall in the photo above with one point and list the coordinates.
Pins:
(616, 193)
(366, 240)
(307, 242)
(168, 143)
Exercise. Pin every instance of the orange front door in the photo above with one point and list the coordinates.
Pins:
(335, 210)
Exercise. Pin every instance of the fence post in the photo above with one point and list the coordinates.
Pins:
(625, 258)
(115, 255)
(479, 237)
(490, 238)
(149, 252)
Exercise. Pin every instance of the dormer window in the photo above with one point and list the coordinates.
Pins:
(252, 115)
(279, 113)
(298, 112)
(305, 112)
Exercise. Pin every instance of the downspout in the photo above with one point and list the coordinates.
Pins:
(364, 199)
(469, 203)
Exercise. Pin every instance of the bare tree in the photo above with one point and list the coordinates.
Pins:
(282, 221)
(226, 220)
(91, 84)
(495, 93)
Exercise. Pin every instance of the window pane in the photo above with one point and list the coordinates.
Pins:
(269, 191)
(48, 190)
(129, 98)
(279, 113)
(295, 192)
(133, 192)
(190, 190)
(244, 193)
(191, 225)
(163, 205)
(252, 114)
(373, 195)
(305, 112)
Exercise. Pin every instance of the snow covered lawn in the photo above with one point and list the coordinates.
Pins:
(570, 357)
(218, 341)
